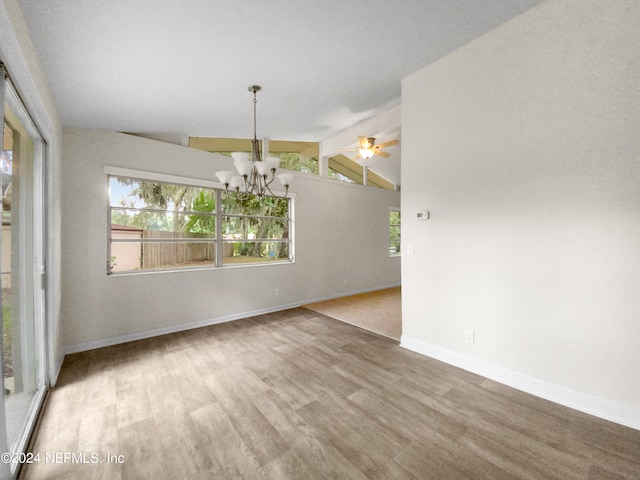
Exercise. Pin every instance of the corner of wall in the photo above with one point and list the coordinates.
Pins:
(590, 404)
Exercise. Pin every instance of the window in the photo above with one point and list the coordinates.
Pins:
(394, 231)
(297, 162)
(156, 225)
(344, 169)
(255, 230)
(338, 176)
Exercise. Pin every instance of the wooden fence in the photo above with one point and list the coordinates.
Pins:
(166, 254)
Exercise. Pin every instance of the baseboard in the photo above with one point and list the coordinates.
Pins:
(348, 294)
(583, 402)
(130, 337)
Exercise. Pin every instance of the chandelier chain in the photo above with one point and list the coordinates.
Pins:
(255, 175)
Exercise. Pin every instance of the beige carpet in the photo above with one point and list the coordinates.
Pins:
(379, 311)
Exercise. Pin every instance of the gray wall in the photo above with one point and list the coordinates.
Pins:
(524, 146)
(341, 235)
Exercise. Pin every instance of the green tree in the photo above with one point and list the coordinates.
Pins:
(394, 231)
(258, 227)
(292, 161)
(206, 224)
(158, 195)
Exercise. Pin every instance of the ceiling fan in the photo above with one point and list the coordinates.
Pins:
(368, 148)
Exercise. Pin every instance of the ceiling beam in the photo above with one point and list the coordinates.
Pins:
(210, 144)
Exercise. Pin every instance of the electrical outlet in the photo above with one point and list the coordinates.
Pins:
(469, 336)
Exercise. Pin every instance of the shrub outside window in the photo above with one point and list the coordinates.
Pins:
(157, 225)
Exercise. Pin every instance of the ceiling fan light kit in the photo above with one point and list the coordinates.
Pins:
(368, 148)
(254, 175)
(366, 151)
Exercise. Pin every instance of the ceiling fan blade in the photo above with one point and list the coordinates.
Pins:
(356, 157)
(387, 144)
(382, 154)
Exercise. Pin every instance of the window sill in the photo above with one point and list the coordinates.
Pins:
(197, 269)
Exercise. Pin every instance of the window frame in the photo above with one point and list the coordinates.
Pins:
(32, 290)
(218, 241)
(251, 216)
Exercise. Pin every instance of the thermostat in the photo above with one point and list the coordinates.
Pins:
(424, 215)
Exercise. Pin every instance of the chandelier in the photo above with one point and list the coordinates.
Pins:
(253, 176)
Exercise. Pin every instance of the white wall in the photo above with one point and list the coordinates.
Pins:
(524, 146)
(21, 60)
(341, 235)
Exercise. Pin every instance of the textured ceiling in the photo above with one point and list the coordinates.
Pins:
(183, 67)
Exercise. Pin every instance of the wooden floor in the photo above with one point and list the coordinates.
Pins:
(298, 395)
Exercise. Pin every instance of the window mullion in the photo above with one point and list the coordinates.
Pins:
(163, 246)
(219, 242)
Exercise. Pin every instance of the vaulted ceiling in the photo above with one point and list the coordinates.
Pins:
(330, 70)
(183, 67)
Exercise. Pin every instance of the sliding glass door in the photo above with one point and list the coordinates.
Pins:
(22, 263)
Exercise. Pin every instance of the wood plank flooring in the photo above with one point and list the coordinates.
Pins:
(298, 395)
